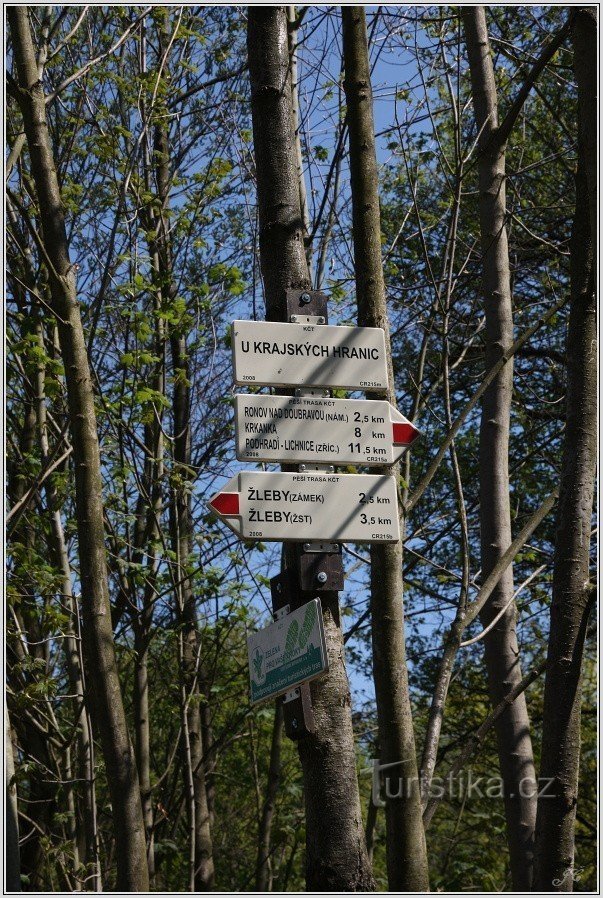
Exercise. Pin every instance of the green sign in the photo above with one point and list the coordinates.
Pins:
(288, 652)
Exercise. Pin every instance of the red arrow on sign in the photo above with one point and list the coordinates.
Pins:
(404, 434)
(283, 506)
(226, 504)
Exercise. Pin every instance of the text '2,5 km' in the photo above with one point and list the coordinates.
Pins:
(285, 507)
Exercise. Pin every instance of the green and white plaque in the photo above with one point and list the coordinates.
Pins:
(288, 652)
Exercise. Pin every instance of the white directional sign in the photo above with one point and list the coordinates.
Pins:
(357, 508)
(319, 429)
(289, 355)
(286, 653)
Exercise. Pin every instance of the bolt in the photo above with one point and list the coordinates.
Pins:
(279, 587)
(294, 724)
(293, 319)
(321, 320)
(321, 577)
(307, 547)
(302, 467)
(305, 298)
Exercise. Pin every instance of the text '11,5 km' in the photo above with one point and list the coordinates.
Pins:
(315, 506)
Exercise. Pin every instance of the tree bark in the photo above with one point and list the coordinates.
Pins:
(407, 866)
(369, 830)
(500, 645)
(336, 858)
(72, 653)
(263, 865)
(150, 501)
(182, 526)
(13, 863)
(560, 759)
(292, 29)
(99, 649)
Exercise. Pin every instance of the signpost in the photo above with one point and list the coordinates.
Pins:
(312, 355)
(287, 653)
(285, 507)
(315, 507)
(320, 429)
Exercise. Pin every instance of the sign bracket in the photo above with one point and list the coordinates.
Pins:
(281, 612)
(291, 696)
(304, 303)
(297, 708)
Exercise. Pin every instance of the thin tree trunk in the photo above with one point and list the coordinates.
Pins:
(89, 838)
(560, 759)
(407, 867)
(182, 535)
(76, 686)
(152, 501)
(500, 645)
(292, 28)
(182, 528)
(150, 506)
(143, 740)
(13, 861)
(78, 824)
(263, 865)
(207, 736)
(122, 777)
(336, 858)
(40, 792)
(369, 830)
(325, 240)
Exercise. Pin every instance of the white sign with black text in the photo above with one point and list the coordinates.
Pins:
(275, 353)
(287, 507)
(320, 430)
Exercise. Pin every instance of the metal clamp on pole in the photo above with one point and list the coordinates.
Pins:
(304, 303)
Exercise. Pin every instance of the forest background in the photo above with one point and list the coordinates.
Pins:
(153, 134)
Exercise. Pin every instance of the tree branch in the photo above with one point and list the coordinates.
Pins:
(474, 607)
(435, 463)
(210, 83)
(92, 62)
(501, 135)
(476, 740)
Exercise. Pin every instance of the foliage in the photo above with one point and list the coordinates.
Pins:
(103, 125)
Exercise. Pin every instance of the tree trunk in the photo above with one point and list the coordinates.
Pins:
(150, 501)
(182, 528)
(336, 858)
(560, 760)
(87, 821)
(41, 792)
(76, 685)
(148, 534)
(500, 645)
(99, 649)
(263, 865)
(13, 863)
(369, 830)
(407, 867)
(292, 29)
(143, 741)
